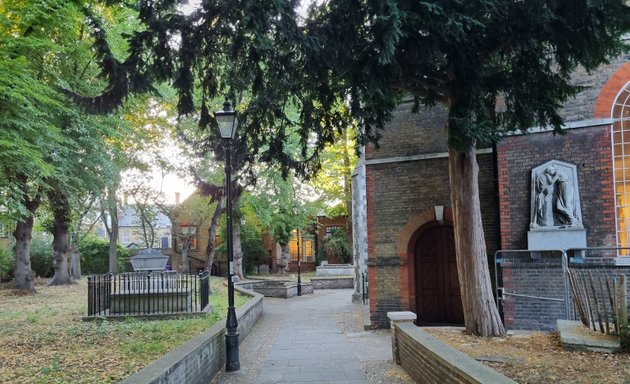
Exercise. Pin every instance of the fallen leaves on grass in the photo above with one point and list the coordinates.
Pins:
(44, 340)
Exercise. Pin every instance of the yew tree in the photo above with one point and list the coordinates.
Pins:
(466, 55)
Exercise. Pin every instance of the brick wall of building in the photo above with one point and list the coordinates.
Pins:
(584, 105)
(589, 149)
(398, 191)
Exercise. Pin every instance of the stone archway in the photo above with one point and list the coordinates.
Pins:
(405, 249)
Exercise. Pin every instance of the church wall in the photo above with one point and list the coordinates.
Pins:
(399, 190)
(589, 149)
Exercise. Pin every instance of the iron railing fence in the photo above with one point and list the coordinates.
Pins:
(533, 288)
(364, 288)
(147, 293)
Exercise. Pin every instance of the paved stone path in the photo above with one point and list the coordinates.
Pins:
(315, 338)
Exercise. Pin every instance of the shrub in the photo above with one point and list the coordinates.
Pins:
(95, 256)
(42, 255)
(254, 253)
(6, 261)
(337, 246)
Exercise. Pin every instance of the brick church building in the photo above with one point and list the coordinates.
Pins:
(409, 257)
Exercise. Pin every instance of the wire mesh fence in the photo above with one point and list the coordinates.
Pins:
(147, 293)
(534, 288)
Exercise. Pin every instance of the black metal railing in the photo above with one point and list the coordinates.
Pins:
(144, 293)
(364, 288)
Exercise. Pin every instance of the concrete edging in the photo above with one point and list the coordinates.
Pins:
(203, 356)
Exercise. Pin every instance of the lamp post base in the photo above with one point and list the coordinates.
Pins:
(232, 362)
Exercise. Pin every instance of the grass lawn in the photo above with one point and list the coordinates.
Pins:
(44, 340)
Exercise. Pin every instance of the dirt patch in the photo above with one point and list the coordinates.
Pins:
(537, 357)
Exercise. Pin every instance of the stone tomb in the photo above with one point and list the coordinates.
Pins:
(144, 291)
(148, 293)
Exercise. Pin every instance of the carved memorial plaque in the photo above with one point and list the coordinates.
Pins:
(555, 216)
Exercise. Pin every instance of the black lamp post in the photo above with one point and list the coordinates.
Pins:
(228, 122)
(299, 245)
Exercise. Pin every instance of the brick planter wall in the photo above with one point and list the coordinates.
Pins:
(428, 360)
(200, 359)
(332, 282)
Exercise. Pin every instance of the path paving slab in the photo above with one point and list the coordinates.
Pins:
(314, 339)
(574, 336)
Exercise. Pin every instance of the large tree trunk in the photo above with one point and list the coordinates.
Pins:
(61, 246)
(212, 234)
(113, 242)
(24, 275)
(238, 249)
(75, 262)
(185, 247)
(481, 315)
(285, 257)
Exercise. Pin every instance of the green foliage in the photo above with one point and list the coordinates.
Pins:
(337, 245)
(466, 55)
(254, 253)
(95, 256)
(42, 255)
(6, 261)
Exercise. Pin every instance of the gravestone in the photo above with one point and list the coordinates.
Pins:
(556, 214)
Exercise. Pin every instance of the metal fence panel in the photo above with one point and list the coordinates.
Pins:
(532, 289)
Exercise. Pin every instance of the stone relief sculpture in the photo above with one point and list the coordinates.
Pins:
(555, 196)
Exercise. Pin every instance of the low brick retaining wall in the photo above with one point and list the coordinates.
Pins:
(276, 288)
(332, 282)
(202, 357)
(428, 360)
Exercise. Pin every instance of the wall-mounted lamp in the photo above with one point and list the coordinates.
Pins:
(439, 212)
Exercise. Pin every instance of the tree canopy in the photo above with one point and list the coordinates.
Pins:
(351, 61)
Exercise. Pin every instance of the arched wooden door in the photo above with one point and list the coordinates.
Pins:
(438, 299)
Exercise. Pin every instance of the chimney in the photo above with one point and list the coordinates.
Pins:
(176, 198)
(125, 199)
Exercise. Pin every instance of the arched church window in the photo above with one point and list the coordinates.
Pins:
(621, 164)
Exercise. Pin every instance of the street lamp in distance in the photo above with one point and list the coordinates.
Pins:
(228, 123)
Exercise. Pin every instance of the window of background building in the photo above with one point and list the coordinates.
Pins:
(125, 236)
(190, 230)
(306, 251)
(330, 229)
(621, 165)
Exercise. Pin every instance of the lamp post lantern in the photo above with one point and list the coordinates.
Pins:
(228, 122)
